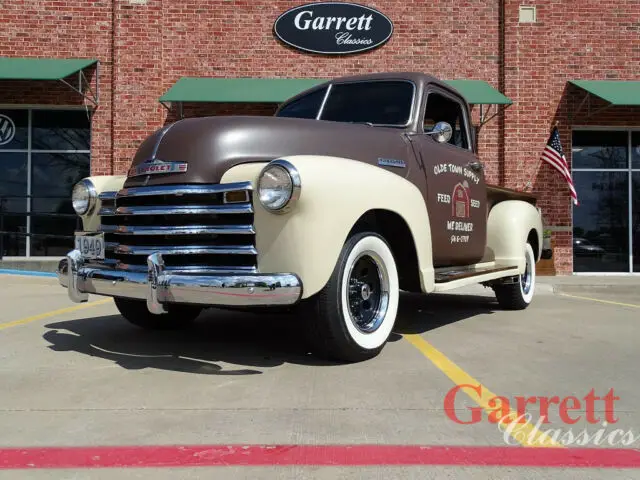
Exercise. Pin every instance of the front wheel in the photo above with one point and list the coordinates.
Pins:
(136, 312)
(518, 295)
(352, 317)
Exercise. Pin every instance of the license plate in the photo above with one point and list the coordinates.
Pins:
(91, 246)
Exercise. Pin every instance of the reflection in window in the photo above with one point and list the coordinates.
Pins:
(599, 149)
(13, 205)
(305, 107)
(635, 221)
(55, 137)
(378, 103)
(601, 222)
(60, 130)
(54, 198)
(635, 150)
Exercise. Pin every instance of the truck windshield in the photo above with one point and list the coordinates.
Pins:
(385, 103)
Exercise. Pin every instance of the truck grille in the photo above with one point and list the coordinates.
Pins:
(195, 227)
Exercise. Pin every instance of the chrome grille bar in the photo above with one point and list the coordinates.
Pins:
(180, 230)
(186, 250)
(108, 196)
(203, 269)
(185, 210)
(183, 189)
(192, 226)
(107, 212)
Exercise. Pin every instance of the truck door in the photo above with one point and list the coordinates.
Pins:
(456, 189)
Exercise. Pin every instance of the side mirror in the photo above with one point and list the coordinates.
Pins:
(442, 132)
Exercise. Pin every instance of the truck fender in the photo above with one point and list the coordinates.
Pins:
(509, 226)
(335, 193)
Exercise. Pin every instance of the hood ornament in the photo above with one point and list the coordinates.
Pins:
(154, 166)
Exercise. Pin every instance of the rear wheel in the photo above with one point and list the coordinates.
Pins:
(518, 295)
(352, 317)
(136, 312)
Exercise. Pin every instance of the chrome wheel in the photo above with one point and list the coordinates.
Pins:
(368, 292)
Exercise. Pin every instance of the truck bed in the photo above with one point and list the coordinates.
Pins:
(496, 194)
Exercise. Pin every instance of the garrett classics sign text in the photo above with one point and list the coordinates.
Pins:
(333, 28)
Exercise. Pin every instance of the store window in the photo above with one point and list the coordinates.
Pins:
(606, 224)
(43, 153)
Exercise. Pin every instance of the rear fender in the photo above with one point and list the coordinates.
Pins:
(508, 227)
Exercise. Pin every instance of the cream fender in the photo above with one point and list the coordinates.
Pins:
(508, 228)
(335, 193)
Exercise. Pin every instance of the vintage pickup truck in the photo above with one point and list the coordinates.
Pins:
(353, 191)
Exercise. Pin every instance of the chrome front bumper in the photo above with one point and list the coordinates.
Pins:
(159, 287)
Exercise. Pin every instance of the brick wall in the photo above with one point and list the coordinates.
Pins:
(54, 28)
(144, 46)
(572, 39)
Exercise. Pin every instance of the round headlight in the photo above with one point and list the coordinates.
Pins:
(83, 197)
(279, 186)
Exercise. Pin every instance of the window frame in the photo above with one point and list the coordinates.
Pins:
(384, 80)
(431, 88)
(629, 170)
(30, 151)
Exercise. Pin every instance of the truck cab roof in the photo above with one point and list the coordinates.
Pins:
(420, 81)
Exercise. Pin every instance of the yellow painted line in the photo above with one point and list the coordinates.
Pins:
(620, 304)
(524, 433)
(53, 313)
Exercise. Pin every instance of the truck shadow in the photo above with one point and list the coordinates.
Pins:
(421, 313)
(235, 343)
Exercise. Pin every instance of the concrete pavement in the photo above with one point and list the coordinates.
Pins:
(84, 377)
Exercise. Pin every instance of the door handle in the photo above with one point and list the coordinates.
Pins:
(475, 165)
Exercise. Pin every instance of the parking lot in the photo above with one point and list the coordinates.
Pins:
(238, 396)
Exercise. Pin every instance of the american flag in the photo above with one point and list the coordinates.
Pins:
(554, 156)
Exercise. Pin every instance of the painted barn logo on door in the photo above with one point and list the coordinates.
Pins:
(461, 207)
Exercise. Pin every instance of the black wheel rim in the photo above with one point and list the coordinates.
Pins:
(368, 292)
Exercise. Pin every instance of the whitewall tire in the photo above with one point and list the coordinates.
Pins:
(518, 295)
(354, 314)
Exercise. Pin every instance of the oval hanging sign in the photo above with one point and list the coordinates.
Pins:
(333, 28)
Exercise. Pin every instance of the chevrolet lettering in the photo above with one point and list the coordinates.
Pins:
(157, 166)
(324, 211)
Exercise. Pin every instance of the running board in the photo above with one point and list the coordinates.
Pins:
(454, 278)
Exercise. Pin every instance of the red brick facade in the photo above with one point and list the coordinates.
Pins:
(144, 46)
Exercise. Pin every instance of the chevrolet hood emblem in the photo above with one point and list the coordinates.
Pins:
(155, 166)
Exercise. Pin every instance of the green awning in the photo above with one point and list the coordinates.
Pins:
(616, 92)
(221, 90)
(479, 92)
(41, 68)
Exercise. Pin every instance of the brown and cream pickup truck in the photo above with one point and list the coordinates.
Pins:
(353, 191)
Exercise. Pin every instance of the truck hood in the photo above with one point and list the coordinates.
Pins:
(212, 145)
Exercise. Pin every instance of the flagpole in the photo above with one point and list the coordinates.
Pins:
(529, 183)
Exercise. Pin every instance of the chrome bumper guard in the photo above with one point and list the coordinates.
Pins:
(159, 287)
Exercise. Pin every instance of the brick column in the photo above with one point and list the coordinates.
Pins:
(137, 82)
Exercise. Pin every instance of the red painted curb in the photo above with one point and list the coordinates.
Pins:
(314, 455)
